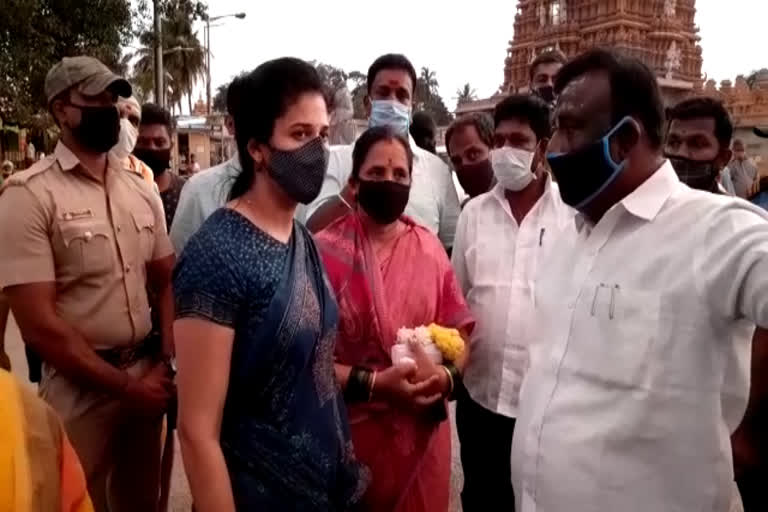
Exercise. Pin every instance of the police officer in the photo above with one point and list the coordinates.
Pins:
(82, 240)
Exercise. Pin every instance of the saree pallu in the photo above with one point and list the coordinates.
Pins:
(284, 431)
(408, 454)
(39, 470)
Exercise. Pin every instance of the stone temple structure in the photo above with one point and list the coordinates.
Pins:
(661, 33)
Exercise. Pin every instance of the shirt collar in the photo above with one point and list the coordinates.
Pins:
(66, 158)
(647, 200)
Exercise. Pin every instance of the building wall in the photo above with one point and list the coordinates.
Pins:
(200, 145)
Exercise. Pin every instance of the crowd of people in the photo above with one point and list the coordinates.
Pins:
(601, 280)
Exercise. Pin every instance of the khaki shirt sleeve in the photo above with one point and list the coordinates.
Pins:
(163, 246)
(26, 255)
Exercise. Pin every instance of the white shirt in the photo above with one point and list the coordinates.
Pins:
(648, 317)
(433, 201)
(495, 262)
(203, 194)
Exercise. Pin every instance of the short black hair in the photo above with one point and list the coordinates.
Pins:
(152, 113)
(264, 95)
(704, 107)
(634, 89)
(480, 120)
(370, 138)
(422, 125)
(391, 61)
(547, 57)
(528, 108)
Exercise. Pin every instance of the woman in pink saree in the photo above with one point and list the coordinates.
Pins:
(389, 273)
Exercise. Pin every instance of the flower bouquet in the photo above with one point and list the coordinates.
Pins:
(440, 344)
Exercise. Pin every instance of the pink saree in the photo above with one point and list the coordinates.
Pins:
(408, 454)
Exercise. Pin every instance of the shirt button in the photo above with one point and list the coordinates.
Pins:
(67, 216)
(127, 269)
(119, 228)
(88, 235)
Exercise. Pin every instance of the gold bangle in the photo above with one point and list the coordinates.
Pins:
(450, 379)
(373, 384)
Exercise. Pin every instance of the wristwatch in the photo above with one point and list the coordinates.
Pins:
(170, 362)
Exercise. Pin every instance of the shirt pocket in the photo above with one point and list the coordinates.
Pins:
(88, 246)
(145, 231)
(613, 333)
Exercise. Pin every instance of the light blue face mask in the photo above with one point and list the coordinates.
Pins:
(390, 113)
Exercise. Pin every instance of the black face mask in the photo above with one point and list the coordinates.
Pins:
(157, 159)
(584, 173)
(300, 173)
(696, 174)
(476, 178)
(547, 93)
(99, 128)
(383, 201)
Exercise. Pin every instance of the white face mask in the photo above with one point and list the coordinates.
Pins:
(127, 140)
(512, 167)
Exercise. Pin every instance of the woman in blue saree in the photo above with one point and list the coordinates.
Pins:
(261, 422)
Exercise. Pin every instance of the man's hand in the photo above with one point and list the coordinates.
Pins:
(150, 395)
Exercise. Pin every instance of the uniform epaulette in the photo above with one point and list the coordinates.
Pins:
(22, 177)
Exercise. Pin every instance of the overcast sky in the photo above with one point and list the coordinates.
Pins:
(461, 41)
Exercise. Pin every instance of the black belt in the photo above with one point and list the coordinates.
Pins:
(125, 357)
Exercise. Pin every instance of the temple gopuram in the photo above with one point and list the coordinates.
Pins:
(661, 33)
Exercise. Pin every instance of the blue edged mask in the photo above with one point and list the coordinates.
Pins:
(584, 173)
(390, 113)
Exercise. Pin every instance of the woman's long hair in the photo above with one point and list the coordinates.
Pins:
(264, 95)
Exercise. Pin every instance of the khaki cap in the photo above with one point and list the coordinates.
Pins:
(88, 74)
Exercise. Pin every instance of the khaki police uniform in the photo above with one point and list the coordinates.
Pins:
(93, 240)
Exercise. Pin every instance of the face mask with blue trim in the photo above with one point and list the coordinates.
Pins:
(584, 173)
(390, 113)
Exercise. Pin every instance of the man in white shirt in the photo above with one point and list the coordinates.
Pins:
(500, 239)
(207, 191)
(647, 310)
(433, 202)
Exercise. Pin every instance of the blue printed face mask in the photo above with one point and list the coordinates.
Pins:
(390, 113)
(584, 173)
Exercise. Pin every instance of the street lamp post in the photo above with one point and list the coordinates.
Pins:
(159, 91)
(240, 16)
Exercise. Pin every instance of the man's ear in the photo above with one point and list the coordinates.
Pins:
(540, 156)
(723, 158)
(626, 139)
(367, 105)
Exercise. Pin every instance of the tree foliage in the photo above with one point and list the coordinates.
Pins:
(753, 76)
(428, 97)
(219, 100)
(183, 53)
(465, 94)
(35, 34)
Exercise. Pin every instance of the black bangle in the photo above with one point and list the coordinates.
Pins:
(456, 380)
(359, 384)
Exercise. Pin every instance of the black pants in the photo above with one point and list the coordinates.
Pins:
(486, 445)
(35, 365)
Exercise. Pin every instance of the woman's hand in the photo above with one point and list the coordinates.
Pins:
(398, 385)
(427, 369)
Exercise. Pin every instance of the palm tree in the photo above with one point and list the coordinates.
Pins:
(183, 59)
(465, 94)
